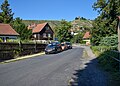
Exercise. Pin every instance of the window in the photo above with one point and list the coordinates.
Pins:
(47, 28)
(44, 35)
(34, 35)
(49, 35)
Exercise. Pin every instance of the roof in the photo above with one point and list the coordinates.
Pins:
(86, 35)
(39, 27)
(6, 29)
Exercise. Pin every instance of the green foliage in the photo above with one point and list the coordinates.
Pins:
(6, 14)
(13, 40)
(110, 41)
(77, 38)
(105, 24)
(1, 40)
(63, 31)
(97, 50)
(21, 29)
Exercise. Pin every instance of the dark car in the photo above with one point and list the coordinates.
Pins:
(69, 45)
(53, 47)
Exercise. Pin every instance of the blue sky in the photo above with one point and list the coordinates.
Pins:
(52, 9)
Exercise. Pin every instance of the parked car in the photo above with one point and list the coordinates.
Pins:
(69, 45)
(63, 46)
(53, 47)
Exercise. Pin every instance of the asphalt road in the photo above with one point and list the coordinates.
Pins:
(46, 70)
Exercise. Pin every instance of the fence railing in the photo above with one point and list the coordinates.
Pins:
(12, 50)
(116, 56)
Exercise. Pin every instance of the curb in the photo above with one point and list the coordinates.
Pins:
(23, 57)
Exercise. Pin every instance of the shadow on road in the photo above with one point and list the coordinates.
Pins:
(89, 75)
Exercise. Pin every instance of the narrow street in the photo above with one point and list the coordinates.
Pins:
(53, 70)
(46, 70)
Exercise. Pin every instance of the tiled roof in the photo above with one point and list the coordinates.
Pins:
(6, 29)
(39, 27)
(87, 35)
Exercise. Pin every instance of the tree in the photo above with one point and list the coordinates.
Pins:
(1, 18)
(6, 14)
(105, 24)
(78, 38)
(21, 29)
(63, 31)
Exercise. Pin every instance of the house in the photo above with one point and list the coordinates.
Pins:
(7, 32)
(86, 38)
(43, 32)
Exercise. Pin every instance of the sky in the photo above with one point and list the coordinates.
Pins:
(52, 9)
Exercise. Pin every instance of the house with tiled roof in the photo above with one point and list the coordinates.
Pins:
(43, 32)
(86, 38)
(7, 32)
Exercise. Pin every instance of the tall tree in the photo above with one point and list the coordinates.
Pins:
(1, 18)
(63, 31)
(21, 29)
(6, 14)
(105, 24)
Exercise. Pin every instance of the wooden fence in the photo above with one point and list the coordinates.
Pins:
(13, 50)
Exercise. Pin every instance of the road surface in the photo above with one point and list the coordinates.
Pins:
(46, 70)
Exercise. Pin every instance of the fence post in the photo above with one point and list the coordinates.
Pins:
(20, 47)
(35, 46)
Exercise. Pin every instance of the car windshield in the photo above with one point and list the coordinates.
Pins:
(68, 43)
(49, 46)
(55, 43)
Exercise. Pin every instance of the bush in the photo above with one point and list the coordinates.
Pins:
(109, 41)
(1, 40)
(13, 40)
(97, 50)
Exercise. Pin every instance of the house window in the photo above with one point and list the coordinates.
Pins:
(47, 28)
(44, 35)
(34, 35)
(49, 35)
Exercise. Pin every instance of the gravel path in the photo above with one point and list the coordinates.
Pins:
(89, 73)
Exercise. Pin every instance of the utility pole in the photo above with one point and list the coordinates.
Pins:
(119, 39)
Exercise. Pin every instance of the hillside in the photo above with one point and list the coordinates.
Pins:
(81, 24)
(53, 23)
(77, 24)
